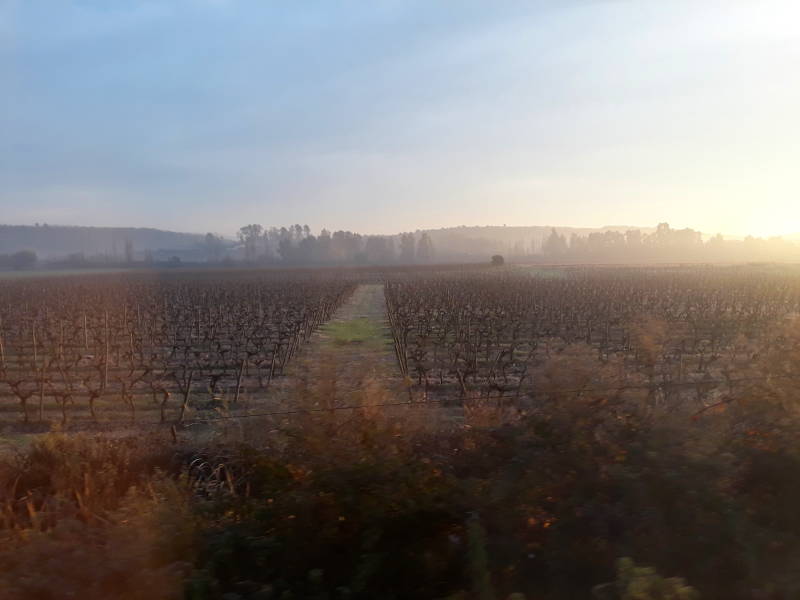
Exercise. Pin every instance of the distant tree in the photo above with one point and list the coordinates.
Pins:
(554, 245)
(324, 247)
(346, 246)
(379, 249)
(389, 251)
(633, 238)
(249, 235)
(128, 251)
(661, 237)
(25, 259)
(75, 259)
(407, 248)
(577, 245)
(306, 251)
(214, 246)
(498, 260)
(425, 251)
(338, 246)
(286, 248)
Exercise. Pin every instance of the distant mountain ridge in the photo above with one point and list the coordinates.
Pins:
(62, 240)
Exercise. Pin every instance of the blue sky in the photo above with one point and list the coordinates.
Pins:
(389, 116)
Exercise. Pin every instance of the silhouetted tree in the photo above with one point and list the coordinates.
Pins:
(250, 235)
(633, 238)
(25, 259)
(214, 246)
(577, 245)
(306, 251)
(407, 248)
(324, 247)
(425, 252)
(379, 249)
(554, 245)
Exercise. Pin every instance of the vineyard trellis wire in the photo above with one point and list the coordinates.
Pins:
(113, 340)
(661, 329)
(433, 402)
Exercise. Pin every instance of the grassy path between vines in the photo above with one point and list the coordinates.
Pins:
(351, 354)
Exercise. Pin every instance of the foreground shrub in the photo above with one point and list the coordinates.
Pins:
(79, 477)
(643, 583)
(359, 505)
(92, 517)
(143, 550)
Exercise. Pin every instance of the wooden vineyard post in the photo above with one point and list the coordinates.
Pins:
(61, 342)
(163, 406)
(41, 395)
(239, 381)
(185, 404)
(105, 360)
(272, 363)
(35, 353)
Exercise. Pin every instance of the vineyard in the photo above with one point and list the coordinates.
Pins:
(477, 432)
(684, 337)
(101, 348)
(114, 348)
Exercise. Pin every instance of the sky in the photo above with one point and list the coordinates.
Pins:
(387, 116)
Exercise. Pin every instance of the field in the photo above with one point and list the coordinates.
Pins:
(460, 432)
(145, 348)
(92, 348)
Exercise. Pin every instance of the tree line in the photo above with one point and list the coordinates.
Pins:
(296, 245)
(24, 259)
(665, 243)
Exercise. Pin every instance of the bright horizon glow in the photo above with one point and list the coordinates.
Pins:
(394, 116)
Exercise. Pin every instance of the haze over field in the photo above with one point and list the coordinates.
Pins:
(384, 117)
(341, 300)
(298, 245)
